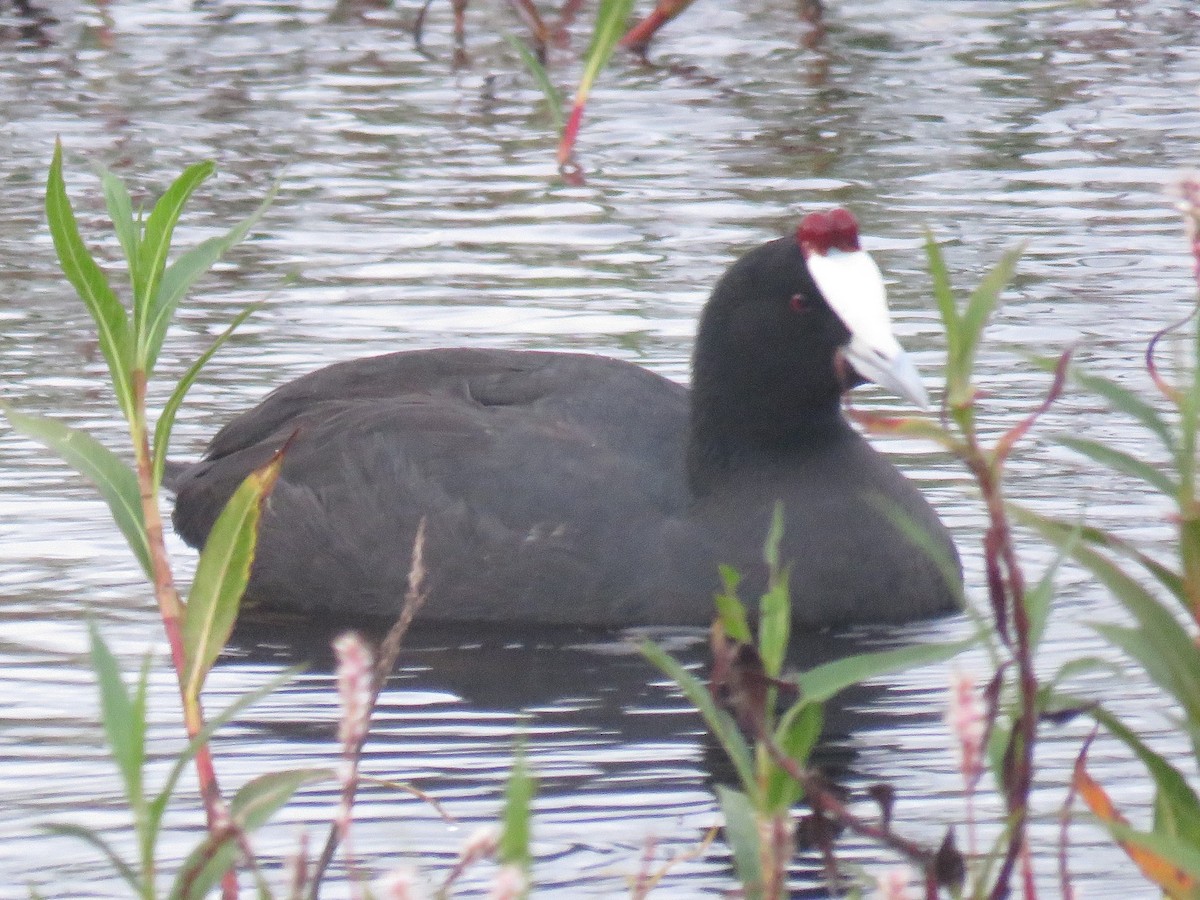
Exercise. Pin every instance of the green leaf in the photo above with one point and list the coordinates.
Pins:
(1184, 857)
(89, 836)
(611, 20)
(1038, 599)
(1177, 807)
(796, 735)
(252, 807)
(120, 211)
(159, 804)
(516, 819)
(1082, 665)
(222, 574)
(1122, 462)
(1124, 400)
(553, 98)
(730, 610)
(742, 835)
(183, 272)
(719, 722)
(924, 542)
(943, 293)
(960, 361)
(115, 481)
(89, 281)
(166, 421)
(825, 681)
(119, 715)
(1060, 534)
(152, 255)
(1169, 658)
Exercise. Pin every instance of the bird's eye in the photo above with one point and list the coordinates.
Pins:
(799, 303)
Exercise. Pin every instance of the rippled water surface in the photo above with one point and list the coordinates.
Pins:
(418, 207)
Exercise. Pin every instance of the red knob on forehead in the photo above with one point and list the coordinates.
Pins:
(824, 231)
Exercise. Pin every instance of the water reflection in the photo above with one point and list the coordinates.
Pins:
(418, 208)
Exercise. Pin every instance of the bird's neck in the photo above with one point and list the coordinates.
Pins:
(729, 436)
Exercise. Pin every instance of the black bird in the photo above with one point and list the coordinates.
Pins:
(575, 489)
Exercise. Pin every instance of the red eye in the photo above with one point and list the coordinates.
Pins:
(799, 303)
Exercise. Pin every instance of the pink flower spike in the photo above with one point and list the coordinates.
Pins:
(399, 884)
(893, 884)
(354, 665)
(965, 718)
(481, 844)
(509, 884)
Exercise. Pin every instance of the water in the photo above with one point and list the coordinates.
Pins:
(417, 208)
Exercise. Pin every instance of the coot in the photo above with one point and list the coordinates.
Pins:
(580, 490)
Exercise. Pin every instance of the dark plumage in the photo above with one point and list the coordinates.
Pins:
(577, 489)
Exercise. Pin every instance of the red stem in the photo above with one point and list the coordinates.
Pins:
(171, 611)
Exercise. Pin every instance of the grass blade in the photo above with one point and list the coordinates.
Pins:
(222, 574)
(553, 98)
(89, 281)
(114, 480)
(166, 420)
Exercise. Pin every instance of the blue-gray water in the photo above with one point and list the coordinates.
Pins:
(418, 207)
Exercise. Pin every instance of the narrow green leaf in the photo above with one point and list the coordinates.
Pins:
(774, 626)
(924, 542)
(774, 538)
(90, 282)
(943, 293)
(89, 836)
(825, 681)
(730, 610)
(252, 807)
(1177, 805)
(183, 272)
(719, 722)
(1039, 598)
(120, 211)
(986, 297)
(553, 98)
(152, 255)
(1082, 665)
(517, 817)
(742, 835)
(1120, 461)
(159, 804)
(1124, 400)
(1060, 535)
(166, 421)
(109, 474)
(118, 714)
(1168, 657)
(222, 574)
(797, 734)
(611, 20)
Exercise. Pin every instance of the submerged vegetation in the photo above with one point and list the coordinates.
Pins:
(766, 718)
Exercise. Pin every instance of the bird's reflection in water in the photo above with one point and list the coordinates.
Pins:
(600, 723)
